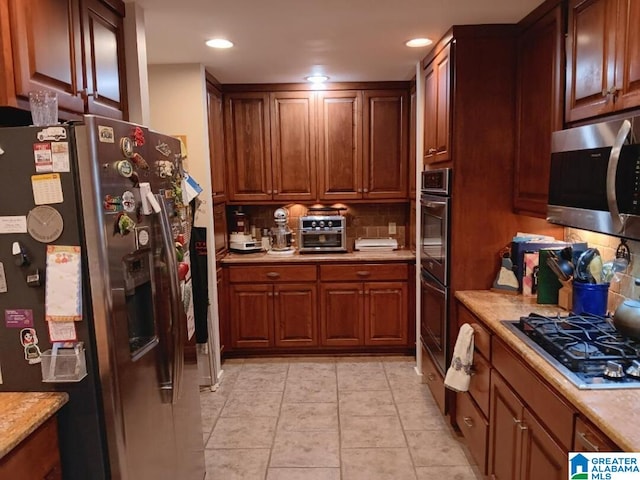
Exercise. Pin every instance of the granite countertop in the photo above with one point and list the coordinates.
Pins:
(615, 412)
(21, 413)
(350, 257)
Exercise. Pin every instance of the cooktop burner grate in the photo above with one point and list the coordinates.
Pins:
(584, 344)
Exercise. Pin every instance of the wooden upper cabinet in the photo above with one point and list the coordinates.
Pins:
(293, 145)
(105, 83)
(628, 59)
(385, 144)
(46, 46)
(248, 143)
(437, 75)
(603, 57)
(340, 145)
(216, 144)
(412, 144)
(74, 48)
(539, 107)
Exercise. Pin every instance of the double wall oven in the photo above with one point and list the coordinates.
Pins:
(435, 206)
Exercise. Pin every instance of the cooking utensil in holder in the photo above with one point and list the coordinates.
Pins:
(64, 364)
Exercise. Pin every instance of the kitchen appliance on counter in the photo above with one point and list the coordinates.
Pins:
(281, 234)
(594, 180)
(586, 349)
(89, 279)
(323, 230)
(435, 205)
(244, 243)
(376, 244)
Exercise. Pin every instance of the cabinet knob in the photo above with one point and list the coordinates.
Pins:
(431, 377)
(269, 192)
(520, 424)
(468, 421)
(276, 294)
(275, 192)
(363, 273)
(359, 190)
(273, 275)
(365, 190)
(431, 151)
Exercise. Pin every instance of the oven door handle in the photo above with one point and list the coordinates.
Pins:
(617, 220)
(432, 204)
(430, 285)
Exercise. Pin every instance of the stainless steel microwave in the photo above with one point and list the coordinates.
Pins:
(594, 182)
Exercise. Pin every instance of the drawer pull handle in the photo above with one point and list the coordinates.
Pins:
(431, 377)
(273, 275)
(363, 273)
(468, 421)
(521, 425)
(588, 443)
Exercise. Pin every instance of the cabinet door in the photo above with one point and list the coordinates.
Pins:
(341, 315)
(590, 58)
(385, 313)
(412, 144)
(223, 319)
(385, 144)
(339, 145)
(248, 145)
(542, 457)
(293, 146)
(105, 82)
(628, 60)
(296, 319)
(505, 431)
(46, 45)
(539, 110)
(443, 104)
(430, 112)
(220, 238)
(216, 144)
(251, 316)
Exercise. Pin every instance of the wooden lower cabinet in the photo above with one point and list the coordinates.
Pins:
(588, 438)
(433, 378)
(370, 313)
(295, 317)
(273, 315)
(475, 428)
(520, 447)
(36, 458)
(341, 314)
(251, 316)
(348, 307)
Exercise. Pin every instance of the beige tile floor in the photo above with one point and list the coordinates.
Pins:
(342, 418)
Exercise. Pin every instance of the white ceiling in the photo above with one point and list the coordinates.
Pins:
(281, 41)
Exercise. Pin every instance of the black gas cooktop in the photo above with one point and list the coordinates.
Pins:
(587, 349)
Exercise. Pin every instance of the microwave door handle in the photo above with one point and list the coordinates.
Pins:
(612, 168)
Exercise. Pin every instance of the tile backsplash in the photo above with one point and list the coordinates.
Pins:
(370, 220)
(623, 285)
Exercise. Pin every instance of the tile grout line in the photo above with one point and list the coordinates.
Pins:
(275, 432)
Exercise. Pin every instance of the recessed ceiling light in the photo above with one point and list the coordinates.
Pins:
(418, 42)
(219, 43)
(317, 78)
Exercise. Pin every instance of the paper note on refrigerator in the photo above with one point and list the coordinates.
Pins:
(63, 292)
(47, 189)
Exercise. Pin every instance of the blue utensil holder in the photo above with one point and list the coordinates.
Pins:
(590, 298)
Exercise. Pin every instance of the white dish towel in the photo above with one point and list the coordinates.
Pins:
(459, 373)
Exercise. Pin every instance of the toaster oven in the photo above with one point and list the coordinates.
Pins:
(323, 233)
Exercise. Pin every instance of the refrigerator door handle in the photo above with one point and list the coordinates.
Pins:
(176, 310)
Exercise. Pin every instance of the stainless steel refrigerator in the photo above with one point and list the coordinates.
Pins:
(110, 191)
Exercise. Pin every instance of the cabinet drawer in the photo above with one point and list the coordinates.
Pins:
(479, 385)
(434, 380)
(364, 272)
(475, 428)
(481, 336)
(269, 273)
(588, 438)
(547, 405)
